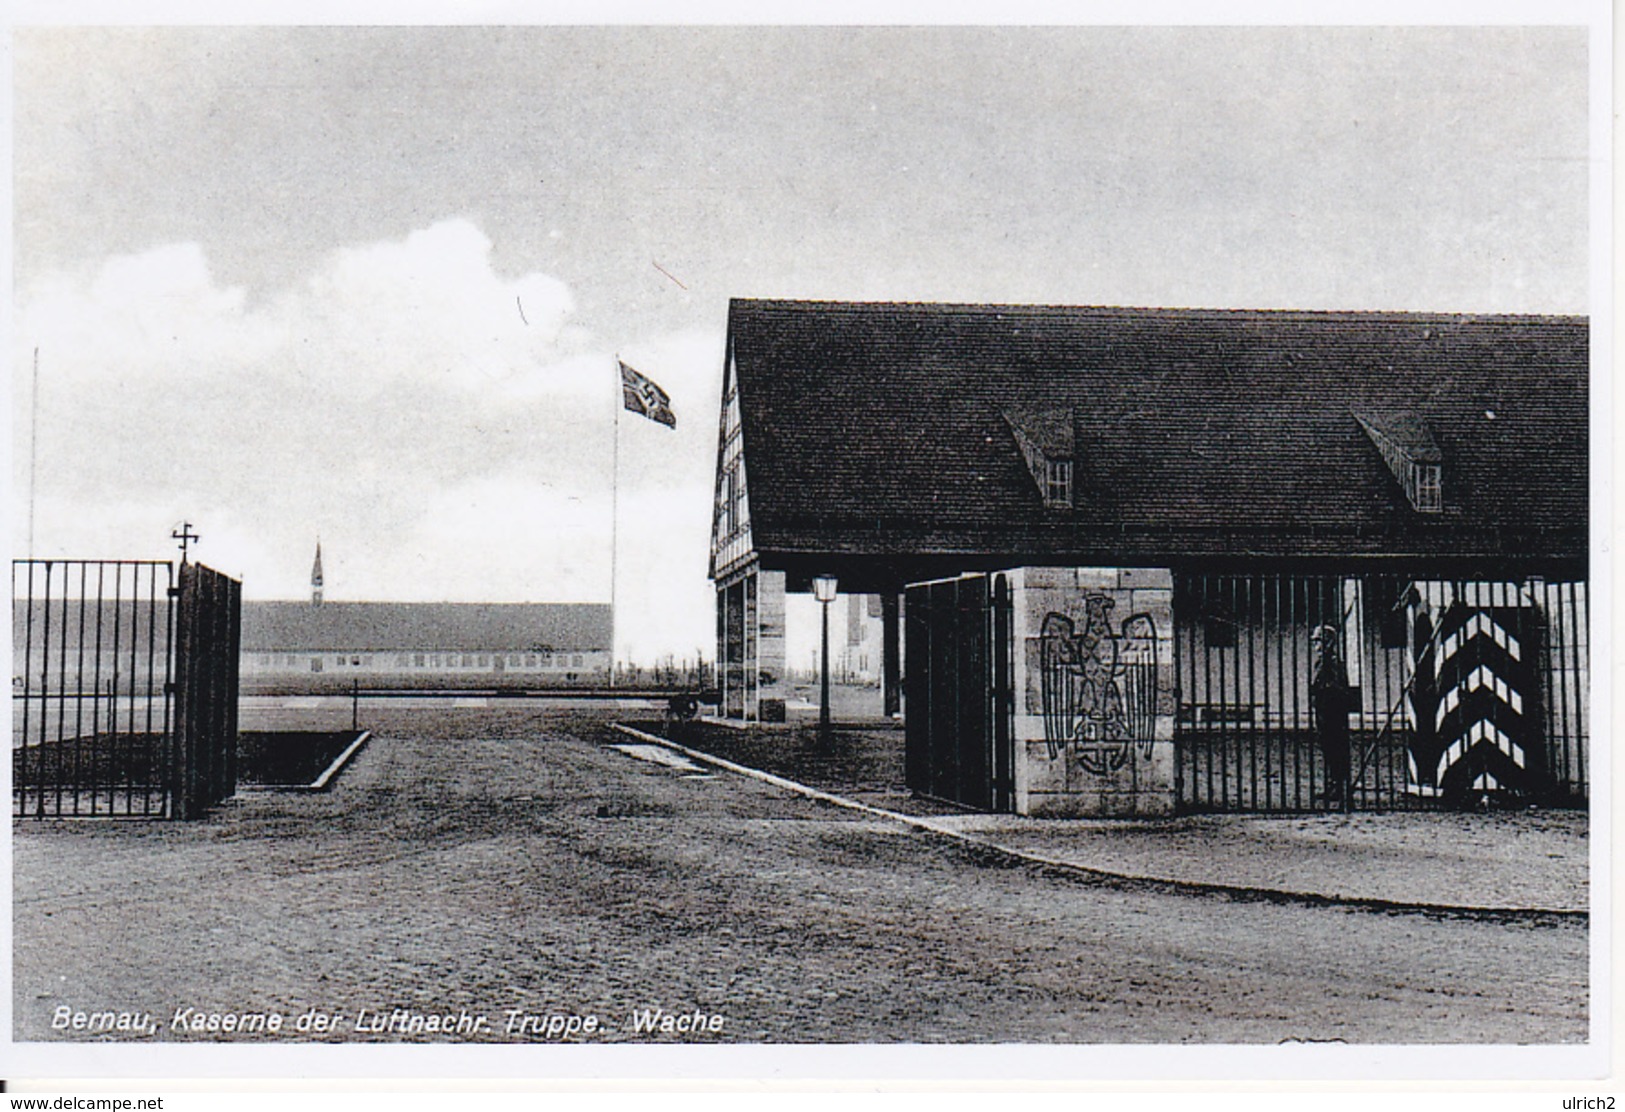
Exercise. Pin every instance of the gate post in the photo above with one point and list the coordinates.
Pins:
(182, 791)
(207, 641)
(1094, 691)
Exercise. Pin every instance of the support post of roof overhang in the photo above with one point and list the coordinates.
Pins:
(730, 649)
(769, 677)
(891, 652)
(750, 646)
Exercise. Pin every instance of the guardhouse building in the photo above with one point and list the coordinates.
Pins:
(1109, 543)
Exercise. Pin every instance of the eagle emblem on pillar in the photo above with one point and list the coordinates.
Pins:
(1099, 686)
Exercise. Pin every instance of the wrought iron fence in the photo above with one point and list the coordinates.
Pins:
(1457, 691)
(95, 693)
(1567, 668)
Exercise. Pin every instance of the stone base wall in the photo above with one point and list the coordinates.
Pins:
(1105, 638)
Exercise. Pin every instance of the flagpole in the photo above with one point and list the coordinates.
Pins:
(614, 514)
(640, 394)
(33, 451)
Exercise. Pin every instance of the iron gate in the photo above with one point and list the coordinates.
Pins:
(124, 688)
(1460, 690)
(959, 727)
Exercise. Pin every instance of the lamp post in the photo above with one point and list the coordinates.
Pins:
(824, 591)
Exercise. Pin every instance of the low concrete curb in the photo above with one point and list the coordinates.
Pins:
(1233, 891)
(321, 783)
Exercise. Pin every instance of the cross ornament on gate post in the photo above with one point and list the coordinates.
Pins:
(185, 536)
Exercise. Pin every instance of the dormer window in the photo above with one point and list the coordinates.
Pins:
(1058, 482)
(1425, 494)
(1045, 439)
(1407, 446)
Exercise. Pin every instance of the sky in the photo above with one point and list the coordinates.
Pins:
(367, 285)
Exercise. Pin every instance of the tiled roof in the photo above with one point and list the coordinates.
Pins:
(879, 430)
(426, 626)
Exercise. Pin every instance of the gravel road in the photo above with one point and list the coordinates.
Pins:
(510, 865)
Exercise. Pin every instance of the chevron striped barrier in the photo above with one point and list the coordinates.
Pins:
(1487, 732)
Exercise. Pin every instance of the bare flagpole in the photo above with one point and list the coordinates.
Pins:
(33, 451)
(614, 513)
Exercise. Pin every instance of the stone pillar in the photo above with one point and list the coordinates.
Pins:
(891, 653)
(731, 649)
(722, 651)
(1106, 745)
(747, 667)
(769, 679)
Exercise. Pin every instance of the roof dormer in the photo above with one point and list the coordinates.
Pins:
(1408, 448)
(1046, 440)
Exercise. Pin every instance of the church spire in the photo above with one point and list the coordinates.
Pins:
(316, 577)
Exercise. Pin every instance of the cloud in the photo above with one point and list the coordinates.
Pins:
(427, 309)
(157, 315)
(506, 534)
(448, 432)
(430, 308)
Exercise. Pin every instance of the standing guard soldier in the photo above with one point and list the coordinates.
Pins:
(1329, 695)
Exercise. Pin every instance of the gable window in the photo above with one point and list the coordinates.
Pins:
(731, 537)
(728, 498)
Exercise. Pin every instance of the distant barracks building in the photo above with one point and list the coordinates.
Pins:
(1114, 548)
(322, 645)
(403, 644)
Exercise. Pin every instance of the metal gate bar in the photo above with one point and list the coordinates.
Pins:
(1003, 709)
(90, 700)
(1568, 608)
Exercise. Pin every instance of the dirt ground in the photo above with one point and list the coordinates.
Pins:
(509, 862)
